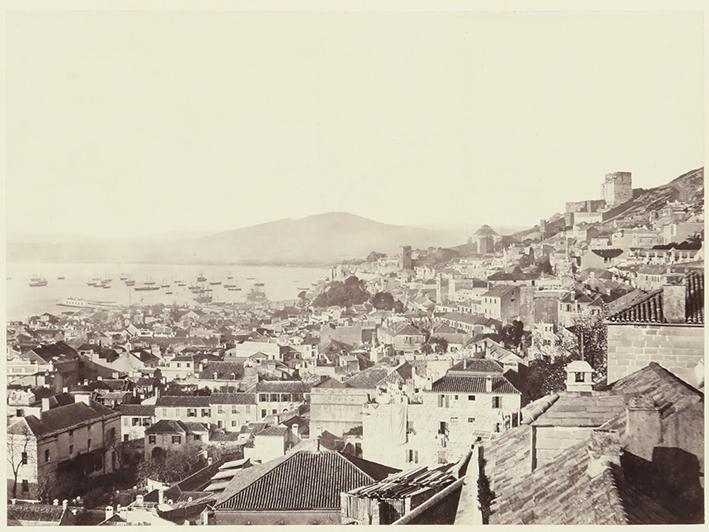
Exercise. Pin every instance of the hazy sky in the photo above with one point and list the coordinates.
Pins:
(137, 123)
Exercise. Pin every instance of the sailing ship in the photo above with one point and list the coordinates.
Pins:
(38, 281)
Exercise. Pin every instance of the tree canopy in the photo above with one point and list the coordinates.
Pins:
(352, 291)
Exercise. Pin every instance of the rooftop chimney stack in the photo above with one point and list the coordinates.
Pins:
(674, 303)
(604, 450)
(643, 428)
(109, 512)
(488, 383)
(45, 404)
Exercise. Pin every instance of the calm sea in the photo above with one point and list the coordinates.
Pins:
(279, 283)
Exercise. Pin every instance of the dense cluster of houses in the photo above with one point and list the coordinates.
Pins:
(413, 415)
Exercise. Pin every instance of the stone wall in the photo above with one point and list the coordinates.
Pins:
(677, 348)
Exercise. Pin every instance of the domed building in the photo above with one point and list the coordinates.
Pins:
(485, 238)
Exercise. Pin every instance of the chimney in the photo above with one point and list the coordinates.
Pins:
(643, 428)
(99, 378)
(139, 500)
(65, 504)
(55, 502)
(45, 404)
(109, 512)
(65, 389)
(674, 303)
(603, 450)
(210, 461)
(488, 383)
(294, 429)
(161, 495)
(82, 398)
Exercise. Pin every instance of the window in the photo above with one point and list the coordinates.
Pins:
(496, 401)
(191, 412)
(20, 412)
(412, 456)
(197, 437)
(233, 423)
(274, 397)
(471, 398)
(71, 450)
(177, 439)
(25, 486)
(471, 420)
(178, 364)
(263, 412)
(578, 377)
(206, 412)
(46, 455)
(151, 439)
(456, 397)
(274, 411)
(71, 432)
(89, 443)
(220, 409)
(136, 421)
(125, 437)
(24, 458)
(233, 410)
(263, 397)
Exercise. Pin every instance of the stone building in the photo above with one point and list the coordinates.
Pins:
(617, 188)
(665, 326)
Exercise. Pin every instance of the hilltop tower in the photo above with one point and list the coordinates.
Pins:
(617, 188)
(405, 262)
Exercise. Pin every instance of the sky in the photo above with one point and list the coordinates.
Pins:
(136, 123)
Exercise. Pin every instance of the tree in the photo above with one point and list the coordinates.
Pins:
(19, 451)
(592, 344)
(545, 376)
(352, 291)
(172, 466)
(440, 345)
(383, 301)
(512, 333)
(374, 256)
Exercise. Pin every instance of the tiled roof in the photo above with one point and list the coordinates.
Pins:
(59, 350)
(166, 426)
(232, 399)
(477, 365)
(34, 512)
(223, 370)
(189, 401)
(369, 378)
(302, 481)
(136, 410)
(562, 493)
(670, 393)
(63, 417)
(472, 384)
(274, 430)
(581, 411)
(500, 290)
(283, 386)
(513, 276)
(649, 309)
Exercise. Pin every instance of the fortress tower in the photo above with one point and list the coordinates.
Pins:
(617, 188)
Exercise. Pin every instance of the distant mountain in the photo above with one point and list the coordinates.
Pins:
(317, 239)
(320, 238)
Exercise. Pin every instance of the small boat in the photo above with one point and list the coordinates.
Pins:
(168, 293)
(149, 283)
(130, 283)
(250, 278)
(215, 283)
(38, 281)
(164, 286)
(61, 278)
(201, 278)
(146, 288)
(124, 277)
(259, 284)
(230, 277)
